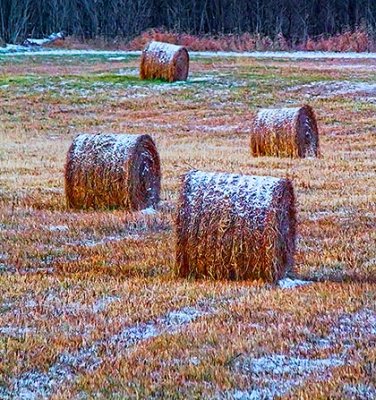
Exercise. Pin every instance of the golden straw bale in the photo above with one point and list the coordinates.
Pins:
(235, 227)
(285, 132)
(112, 171)
(164, 61)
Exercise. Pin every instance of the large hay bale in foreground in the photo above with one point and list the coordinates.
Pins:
(164, 61)
(285, 132)
(112, 171)
(235, 226)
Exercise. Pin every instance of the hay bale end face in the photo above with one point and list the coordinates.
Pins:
(112, 171)
(164, 61)
(285, 132)
(235, 227)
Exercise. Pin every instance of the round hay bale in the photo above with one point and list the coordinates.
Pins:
(285, 132)
(112, 171)
(164, 61)
(235, 227)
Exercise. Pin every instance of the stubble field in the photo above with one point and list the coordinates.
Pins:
(89, 307)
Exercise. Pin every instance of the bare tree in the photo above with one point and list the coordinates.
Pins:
(295, 19)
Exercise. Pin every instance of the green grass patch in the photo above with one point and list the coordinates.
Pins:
(22, 80)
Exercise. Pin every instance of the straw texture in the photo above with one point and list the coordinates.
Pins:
(112, 171)
(235, 226)
(164, 61)
(285, 132)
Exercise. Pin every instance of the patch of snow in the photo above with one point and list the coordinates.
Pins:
(128, 71)
(85, 359)
(315, 343)
(40, 42)
(15, 331)
(33, 385)
(139, 92)
(11, 48)
(101, 304)
(175, 319)
(164, 52)
(341, 212)
(279, 364)
(16, 50)
(105, 240)
(270, 117)
(268, 392)
(277, 374)
(149, 211)
(53, 301)
(370, 263)
(359, 391)
(38, 385)
(133, 335)
(117, 58)
(31, 270)
(220, 128)
(203, 78)
(155, 125)
(169, 323)
(244, 192)
(294, 55)
(58, 228)
(336, 88)
(362, 322)
(289, 283)
(365, 67)
(30, 304)
(194, 361)
(111, 148)
(134, 96)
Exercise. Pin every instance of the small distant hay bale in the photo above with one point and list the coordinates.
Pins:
(285, 132)
(164, 61)
(112, 171)
(235, 227)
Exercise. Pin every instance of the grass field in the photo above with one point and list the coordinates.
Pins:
(89, 307)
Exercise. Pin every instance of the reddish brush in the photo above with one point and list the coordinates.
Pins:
(285, 132)
(164, 61)
(235, 226)
(358, 41)
(111, 171)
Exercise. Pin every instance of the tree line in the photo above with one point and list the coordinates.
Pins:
(295, 19)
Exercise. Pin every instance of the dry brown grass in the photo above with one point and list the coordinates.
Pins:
(164, 61)
(72, 282)
(108, 171)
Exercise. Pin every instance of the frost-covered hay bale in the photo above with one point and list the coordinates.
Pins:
(285, 132)
(235, 226)
(164, 61)
(112, 171)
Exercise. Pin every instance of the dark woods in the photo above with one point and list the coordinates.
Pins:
(296, 19)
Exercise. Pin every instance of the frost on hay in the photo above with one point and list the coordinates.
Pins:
(164, 61)
(285, 132)
(235, 226)
(112, 171)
